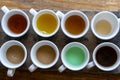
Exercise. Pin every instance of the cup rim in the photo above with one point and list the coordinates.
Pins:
(16, 65)
(76, 68)
(12, 11)
(102, 37)
(115, 65)
(41, 43)
(79, 13)
(42, 12)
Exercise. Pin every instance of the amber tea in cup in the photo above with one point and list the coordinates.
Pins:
(75, 24)
(17, 23)
(46, 23)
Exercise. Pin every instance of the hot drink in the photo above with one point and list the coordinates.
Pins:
(46, 23)
(17, 23)
(106, 56)
(15, 54)
(103, 27)
(75, 56)
(46, 54)
(75, 24)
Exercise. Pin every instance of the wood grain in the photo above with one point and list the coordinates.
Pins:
(63, 4)
(20, 74)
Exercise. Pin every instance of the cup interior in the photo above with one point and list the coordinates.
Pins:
(67, 57)
(111, 18)
(3, 55)
(45, 12)
(117, 60)
(7, 16)
(82, 16)
(34, 54)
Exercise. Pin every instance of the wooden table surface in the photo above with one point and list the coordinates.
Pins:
(110, 5)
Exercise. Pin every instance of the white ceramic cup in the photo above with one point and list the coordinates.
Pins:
(101, 67)
(37, 14)
(64, 17)
(66, 64)
(36, 63)
(7, 15)
(111, 18)
(3, 58)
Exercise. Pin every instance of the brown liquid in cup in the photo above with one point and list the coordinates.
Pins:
(17, 23)
(106, 56)
(15, 54)
(75, 24)
(46, 54)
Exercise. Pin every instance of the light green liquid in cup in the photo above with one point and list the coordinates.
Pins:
(75, 56)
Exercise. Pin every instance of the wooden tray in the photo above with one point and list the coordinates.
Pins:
(60, 40)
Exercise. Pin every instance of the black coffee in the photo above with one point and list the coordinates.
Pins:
(106, 56)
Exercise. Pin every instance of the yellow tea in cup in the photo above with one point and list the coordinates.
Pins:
(46, 23)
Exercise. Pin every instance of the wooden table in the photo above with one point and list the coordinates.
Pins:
(111, 5)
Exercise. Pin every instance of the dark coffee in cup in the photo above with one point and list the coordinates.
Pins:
(106, 56)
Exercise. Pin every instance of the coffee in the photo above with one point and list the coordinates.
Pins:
(103, 27)
(46, 23)
(17, 23)
(106, 56)
(75, 24)
(15, 54)
(46, 54)
(75, 56)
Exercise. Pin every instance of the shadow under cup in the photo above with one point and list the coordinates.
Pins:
(75, 56)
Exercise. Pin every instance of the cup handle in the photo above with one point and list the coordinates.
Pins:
(90, 65)
(33, 11)
(61, 68)
(10, 72)
(59, 14)
(32, 68)
(5, 9)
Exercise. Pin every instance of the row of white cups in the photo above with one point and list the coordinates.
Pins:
(109, 16)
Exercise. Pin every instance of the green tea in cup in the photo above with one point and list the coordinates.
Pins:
(75, 56)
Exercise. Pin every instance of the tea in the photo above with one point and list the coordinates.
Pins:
(103, 27)
(75, 24)
(17, 23)
(46, 23)
(75, 56)
(46, 54)
(106, 56)
(15, 54)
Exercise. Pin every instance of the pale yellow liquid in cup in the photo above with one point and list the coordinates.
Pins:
(103, 27)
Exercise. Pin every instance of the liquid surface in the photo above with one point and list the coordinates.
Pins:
(46, 23)
(106, 56)
(46, 54)
(75, 25)
(15, 54)
(75, 56)
(103, 27)
(17, 23)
